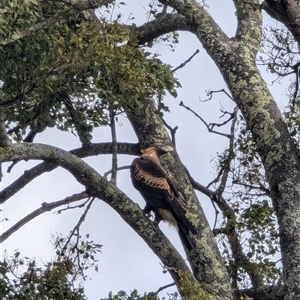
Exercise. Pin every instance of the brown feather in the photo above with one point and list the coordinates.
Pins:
(161, 192)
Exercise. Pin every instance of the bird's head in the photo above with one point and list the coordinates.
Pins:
(156, 150)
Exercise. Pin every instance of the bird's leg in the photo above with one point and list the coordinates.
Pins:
(157, 218)
(147, 209)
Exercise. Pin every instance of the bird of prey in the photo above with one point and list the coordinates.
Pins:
(161, 191)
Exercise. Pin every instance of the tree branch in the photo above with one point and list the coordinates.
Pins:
(209, 128)
(182, 65)
(230, 232)
(88, 150)
(160, 26)
(114, 166)
(44, 208)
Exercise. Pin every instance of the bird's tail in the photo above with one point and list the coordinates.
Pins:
(183, 232)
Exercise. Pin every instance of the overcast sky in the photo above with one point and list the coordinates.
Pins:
(126, 263)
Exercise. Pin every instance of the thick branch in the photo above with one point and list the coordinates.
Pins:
(201, 23)
(263, 293)
(162, 25)
(88, 150)
(249, 23)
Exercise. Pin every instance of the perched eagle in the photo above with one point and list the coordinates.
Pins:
(161, 192)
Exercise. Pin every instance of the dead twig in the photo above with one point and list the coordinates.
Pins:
(117, 169)
(203, 121)
(182, 65)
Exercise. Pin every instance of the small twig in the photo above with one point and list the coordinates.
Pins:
(73, 207)
(12, 165)
(212, 125)
(266, 192)
(186, 62)
(226, 167)
(172, 131)
(76, 229)
(114, 165)
(77, 226)
(118, 169)
(164, 287)
(215, 180)
(210, 94)
(203, 121)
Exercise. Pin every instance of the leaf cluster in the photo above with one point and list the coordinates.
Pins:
(67, 74)
(23, 278)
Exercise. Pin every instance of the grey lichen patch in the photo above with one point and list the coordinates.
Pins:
(208, 256)
(274, 156)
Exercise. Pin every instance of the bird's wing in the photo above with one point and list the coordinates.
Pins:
(151, 174)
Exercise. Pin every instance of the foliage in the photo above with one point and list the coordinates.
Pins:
(24, 278)
(122, 295)
(67, 75)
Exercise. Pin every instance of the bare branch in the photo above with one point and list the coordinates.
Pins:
(118, 169)
(182, 65)
(172, 131)
(230, 231)
(73, 207)
(203, 121)
(226, 166)
(164, 287)
(114, 167)
(44, 208)
(77, 226)
(210, 94)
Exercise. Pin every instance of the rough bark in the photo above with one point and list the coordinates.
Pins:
(205, 259)
(235, 59)
(86, 151)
